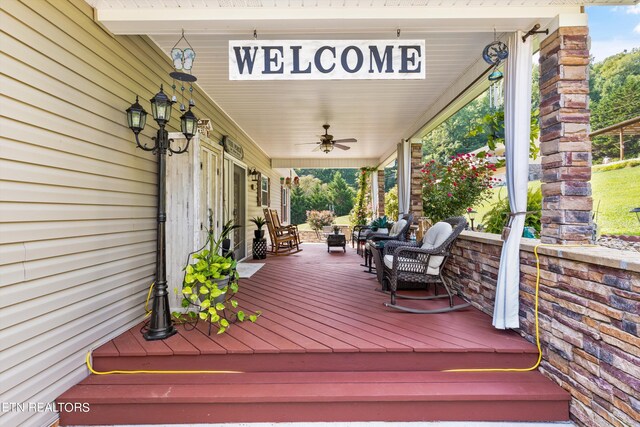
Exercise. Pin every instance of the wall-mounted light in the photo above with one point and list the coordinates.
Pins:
(254, 174)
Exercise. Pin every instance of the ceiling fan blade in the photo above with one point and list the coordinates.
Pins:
(316, 149)
(306, 143)
(345, 140)
(342, 147)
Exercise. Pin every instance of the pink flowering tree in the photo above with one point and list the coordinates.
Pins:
(453, 188)
(319, 219)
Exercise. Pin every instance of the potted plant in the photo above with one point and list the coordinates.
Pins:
(381, 222)
(336, 229)
(259, 222)
(211, 281)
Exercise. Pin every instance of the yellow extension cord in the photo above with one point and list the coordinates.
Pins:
(535, 366)
(535, 311)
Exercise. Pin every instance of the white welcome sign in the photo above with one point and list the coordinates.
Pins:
(326, 59)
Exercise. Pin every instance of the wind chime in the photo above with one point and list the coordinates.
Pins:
(494, 54)
(183, 60)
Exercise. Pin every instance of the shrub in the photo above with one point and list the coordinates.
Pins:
(631, 163)
(449, 189)
(318, 219)
(497, 217)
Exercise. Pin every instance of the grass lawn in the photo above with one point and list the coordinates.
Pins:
(341, 220)
(614, 194)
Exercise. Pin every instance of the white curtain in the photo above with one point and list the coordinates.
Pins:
(404, 176)
(517, 113)
(374, 194)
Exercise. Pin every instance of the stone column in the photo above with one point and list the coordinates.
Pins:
(415, 204)
(381, 194)
(564, 137)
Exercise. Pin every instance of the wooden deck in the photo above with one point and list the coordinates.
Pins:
(323, 339)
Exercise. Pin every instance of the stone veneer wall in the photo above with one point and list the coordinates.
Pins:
(564, 136)
(415, 202)
(589, 317)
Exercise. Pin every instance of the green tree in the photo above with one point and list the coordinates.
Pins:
(299, 206)
(614, 86)
(605, 76)
(391, 176)
(308, 183)
(340, 195)
(319, 198)
(453, 135)
(326, 175)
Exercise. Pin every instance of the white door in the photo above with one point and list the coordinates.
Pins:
(234, 204)
(210, 215)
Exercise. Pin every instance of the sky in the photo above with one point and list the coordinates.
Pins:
(613, 29)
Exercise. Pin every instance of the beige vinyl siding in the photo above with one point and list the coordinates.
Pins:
(77, 199)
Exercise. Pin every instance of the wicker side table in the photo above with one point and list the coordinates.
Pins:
(259, 248)
(336, 241)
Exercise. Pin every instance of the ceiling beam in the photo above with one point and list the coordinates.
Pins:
(309, 20)
(326, 163)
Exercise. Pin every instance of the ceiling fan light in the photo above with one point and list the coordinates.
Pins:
(326, 147)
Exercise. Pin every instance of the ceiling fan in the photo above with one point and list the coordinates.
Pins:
(327, 143)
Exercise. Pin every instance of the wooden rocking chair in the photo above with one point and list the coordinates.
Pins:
(292, 229)
(283, 241)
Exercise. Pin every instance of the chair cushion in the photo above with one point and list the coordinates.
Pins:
(435, 237)
(411, 264)
(397, 227)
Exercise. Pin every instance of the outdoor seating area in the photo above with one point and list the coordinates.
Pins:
(324, 336)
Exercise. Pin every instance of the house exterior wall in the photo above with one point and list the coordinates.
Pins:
(78, 211)
(588, 316)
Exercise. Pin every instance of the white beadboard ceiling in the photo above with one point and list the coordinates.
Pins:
(277, 115)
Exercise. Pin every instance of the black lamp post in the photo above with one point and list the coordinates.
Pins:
(472, 217)
(161, 326)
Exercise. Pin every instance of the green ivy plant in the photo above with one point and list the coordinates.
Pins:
(210, 283)
(360, 213)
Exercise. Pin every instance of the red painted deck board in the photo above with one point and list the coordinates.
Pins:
(324, 349)
(313, 301)
(152, 348)
(128, 345)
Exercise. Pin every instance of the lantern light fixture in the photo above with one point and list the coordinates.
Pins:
(136, 117)
(326, 146)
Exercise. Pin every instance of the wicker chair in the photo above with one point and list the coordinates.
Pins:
(422, 262)
(398, 232)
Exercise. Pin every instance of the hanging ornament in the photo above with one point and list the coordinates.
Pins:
(183, 60)
(495, 53)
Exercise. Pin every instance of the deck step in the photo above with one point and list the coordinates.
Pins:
(316, 396)
(436, 360)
